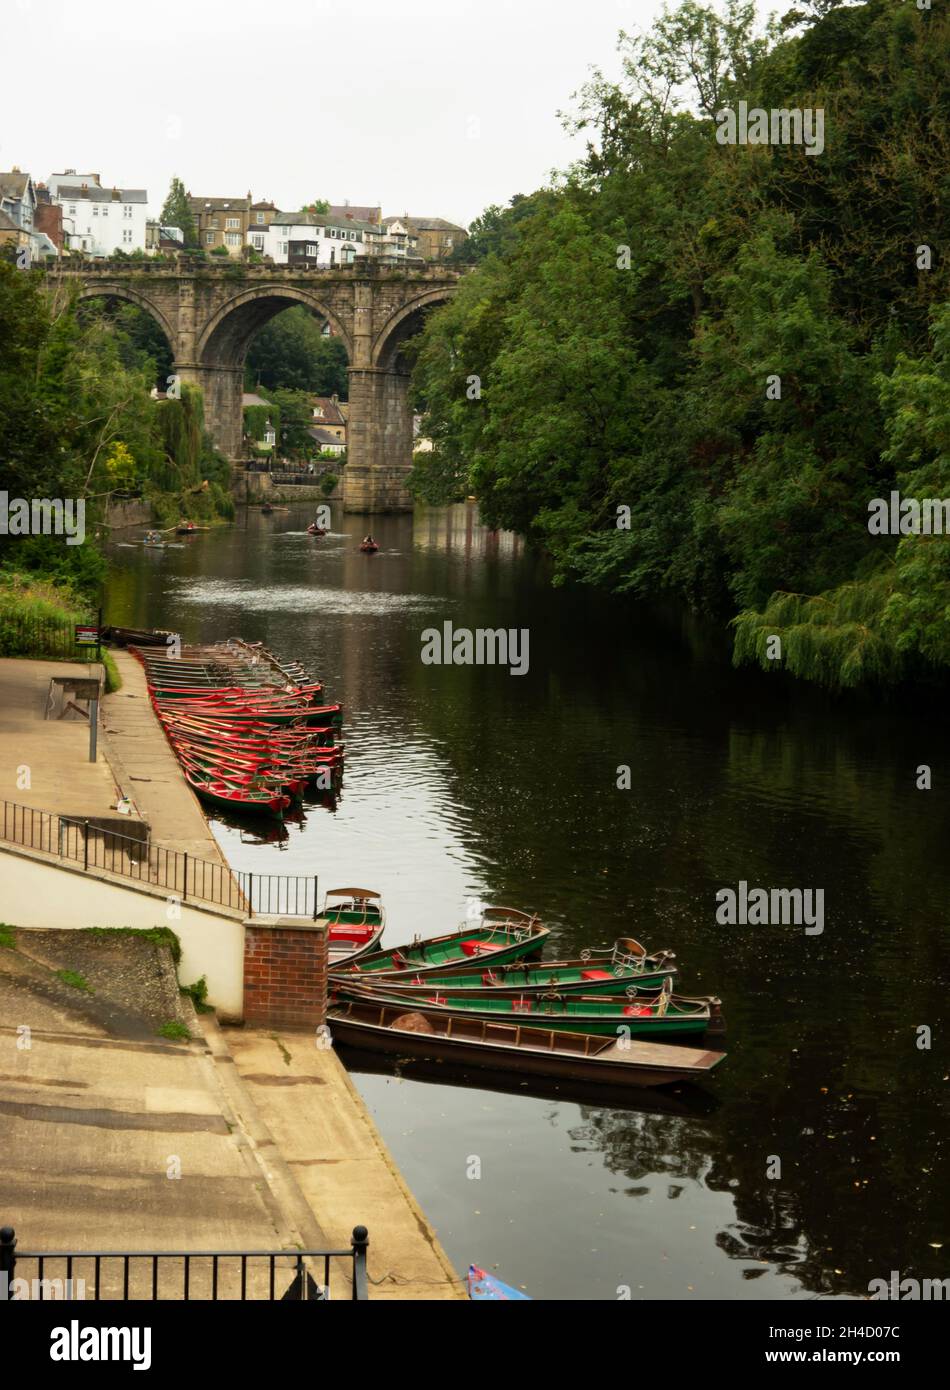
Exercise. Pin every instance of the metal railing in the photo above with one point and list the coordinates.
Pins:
(89, 843)
(48, 637)
(181, 1275)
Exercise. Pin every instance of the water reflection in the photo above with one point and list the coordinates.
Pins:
(467, 782)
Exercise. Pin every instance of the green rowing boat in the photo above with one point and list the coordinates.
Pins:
(610, 971)
(657, 1015)
(502, 934)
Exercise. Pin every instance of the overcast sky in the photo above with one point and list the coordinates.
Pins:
(435, 107)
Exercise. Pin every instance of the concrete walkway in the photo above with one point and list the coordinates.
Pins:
(329, 1144)
(237, 1140)
(144, 763)
(54, 751)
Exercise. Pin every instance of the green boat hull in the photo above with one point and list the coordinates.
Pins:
(601, 1017)
(441, 952)
(532, 981)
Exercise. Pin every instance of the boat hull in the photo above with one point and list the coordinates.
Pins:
(497, 945)
(529, 1051)
(522, 981)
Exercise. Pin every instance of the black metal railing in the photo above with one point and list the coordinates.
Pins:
(22, 635)
(96, 847)
(181, 1275)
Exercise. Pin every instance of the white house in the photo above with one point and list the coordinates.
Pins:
(98, 220)
(307, 238)
(317, 240)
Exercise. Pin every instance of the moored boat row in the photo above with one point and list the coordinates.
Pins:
(479, 997)
(250, 732)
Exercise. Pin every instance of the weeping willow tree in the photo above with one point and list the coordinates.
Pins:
(193, 472)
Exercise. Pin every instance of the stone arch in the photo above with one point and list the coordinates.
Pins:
(403, 324)
(226, 336)
(118, 290)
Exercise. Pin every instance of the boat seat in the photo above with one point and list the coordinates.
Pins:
(344, 932)
(596, 975)
(478, 948)
(637, 1011)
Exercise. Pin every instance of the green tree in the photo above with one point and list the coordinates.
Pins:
(291, 352)
(708, 342)
(176, 212)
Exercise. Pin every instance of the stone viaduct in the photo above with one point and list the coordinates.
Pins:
(209, 314)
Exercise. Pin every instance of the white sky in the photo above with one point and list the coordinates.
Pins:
(436, 107)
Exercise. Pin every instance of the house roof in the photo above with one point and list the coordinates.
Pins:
(320, 436)
(425, 224)
(72, 193)
(7, 223)
(320, 219)
(218, 204)
(332, 414)
(14, 184)
(252, 398)
(351, 212)
(263, 207)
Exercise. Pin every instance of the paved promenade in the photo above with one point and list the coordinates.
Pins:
(55, 752)
(142, 758)
(115, 1138)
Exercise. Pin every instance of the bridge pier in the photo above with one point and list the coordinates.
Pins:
(379, 442)
(222, 388)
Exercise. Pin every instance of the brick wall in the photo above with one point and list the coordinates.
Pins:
(285, 973)
(48, 218)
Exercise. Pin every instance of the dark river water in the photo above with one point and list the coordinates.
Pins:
(466, 782)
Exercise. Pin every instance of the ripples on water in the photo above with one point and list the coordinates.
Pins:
(467, 783)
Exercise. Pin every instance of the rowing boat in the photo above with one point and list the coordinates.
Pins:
(508, 1047)
(229, 797)
(503, 934)
(660, 1014)
(134, 636)
(594, 972)
(354, 919)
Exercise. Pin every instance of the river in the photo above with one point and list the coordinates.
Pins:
(815, 1160)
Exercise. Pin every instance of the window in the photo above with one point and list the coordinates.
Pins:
(213, 222)
(311, 249)
(126, 211)
(209, 238)
(72, 209)
(283, 248)
(332, 232)
(95, 212)
(232, 238)
(257, 242)
(260, 219)
(127, 235)
(232, 222)
(105, 212)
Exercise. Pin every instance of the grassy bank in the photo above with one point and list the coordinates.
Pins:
(37, 618)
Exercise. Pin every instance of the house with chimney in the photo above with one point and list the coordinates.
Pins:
(24, 218)
(98, 220)
(221, 223)
(436, 238)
